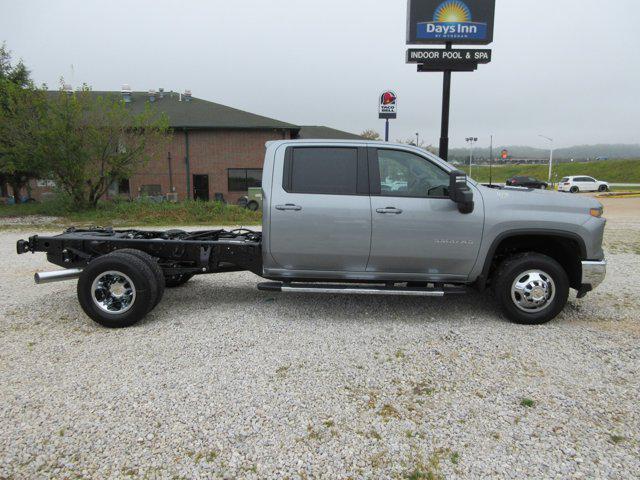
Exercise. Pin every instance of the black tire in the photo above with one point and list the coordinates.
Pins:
(152, 263)
(142, 279)
(173, 281)
(603, 188)
(574, 189)
(253, 205)
(516, 266)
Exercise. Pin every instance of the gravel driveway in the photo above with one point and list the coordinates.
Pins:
(222, 380)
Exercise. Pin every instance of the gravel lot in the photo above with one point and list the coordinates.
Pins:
(222, 380)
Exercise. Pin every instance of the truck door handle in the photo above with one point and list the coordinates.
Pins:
(288, 206)
(394, 210)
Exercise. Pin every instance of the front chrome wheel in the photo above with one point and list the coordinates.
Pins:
(533, 291)
(113, 292)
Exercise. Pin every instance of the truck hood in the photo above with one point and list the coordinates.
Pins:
(541, 200)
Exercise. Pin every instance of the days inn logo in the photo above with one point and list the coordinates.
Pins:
(452, 20)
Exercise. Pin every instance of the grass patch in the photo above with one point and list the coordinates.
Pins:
(142, 212)
(206, 455)
(616, 171)
(527, 402)
(311, 433)
(389, 411)
(373, 433)
(426, 471)
(616, 439)
(422, 388)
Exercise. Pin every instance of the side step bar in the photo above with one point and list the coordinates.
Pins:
(359, 289)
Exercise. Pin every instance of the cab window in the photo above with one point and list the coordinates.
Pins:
(321, 170)
(403, 174)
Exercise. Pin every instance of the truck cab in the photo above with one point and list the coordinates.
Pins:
(365, 211)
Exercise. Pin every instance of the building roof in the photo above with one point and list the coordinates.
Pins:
(321, 133)
(199, 113)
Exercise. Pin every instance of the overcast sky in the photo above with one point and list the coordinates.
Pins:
(568, 69)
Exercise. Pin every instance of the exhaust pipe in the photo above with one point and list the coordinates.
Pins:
(57, 276)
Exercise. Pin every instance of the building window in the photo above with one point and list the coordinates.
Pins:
(150, 190)
(241, 179)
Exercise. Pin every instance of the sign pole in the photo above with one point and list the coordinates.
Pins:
(444, 126)
(466, 22)
(386, 130)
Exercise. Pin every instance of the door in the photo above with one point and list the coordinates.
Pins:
(201, 187)
(320, 212)
(416, 228)
(588, 184)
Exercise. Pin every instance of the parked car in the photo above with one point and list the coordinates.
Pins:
(577, 184)
(329, 227)
(529, 182)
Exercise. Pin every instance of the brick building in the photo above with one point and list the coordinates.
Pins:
(214, 149)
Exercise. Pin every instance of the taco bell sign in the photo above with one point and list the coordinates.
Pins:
(388, 105)
(455, 21)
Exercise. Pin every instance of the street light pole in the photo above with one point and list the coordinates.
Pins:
(471, 141)
(490, 160)
(550, 140)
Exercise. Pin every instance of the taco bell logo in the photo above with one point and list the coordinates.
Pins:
(452, 20)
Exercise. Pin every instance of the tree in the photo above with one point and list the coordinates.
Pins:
(16, 88)
(412, 141)
(85, 142)
(370, 135)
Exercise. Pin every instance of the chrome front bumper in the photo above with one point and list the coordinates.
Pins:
(593, 272)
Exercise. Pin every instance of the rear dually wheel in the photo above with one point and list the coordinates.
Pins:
(117, 290)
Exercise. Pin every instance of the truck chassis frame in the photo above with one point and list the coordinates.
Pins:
(178, 252)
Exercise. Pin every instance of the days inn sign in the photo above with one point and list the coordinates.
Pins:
(454, 21)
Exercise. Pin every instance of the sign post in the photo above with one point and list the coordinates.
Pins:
(447, 22)
(387, 109)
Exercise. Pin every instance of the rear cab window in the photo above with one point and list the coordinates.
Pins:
(326, 170)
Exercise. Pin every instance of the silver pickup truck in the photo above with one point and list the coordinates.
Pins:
(354, 217)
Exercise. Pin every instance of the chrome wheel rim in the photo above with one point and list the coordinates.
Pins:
(533, 291)
(113, 292)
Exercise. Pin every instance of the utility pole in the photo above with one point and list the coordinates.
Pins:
(417, 139)
(550, 154)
